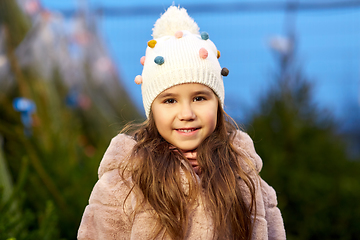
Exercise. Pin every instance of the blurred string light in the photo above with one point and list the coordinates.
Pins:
(26, 107)
(32, 7)
(3, 60)
(75, 99)
(281, 44)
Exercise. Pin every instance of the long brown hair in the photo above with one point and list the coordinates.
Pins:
(155, 171)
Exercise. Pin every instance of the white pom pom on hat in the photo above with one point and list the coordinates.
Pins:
(173, 20)
(179, 54)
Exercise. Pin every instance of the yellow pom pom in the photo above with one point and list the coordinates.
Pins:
(218, 54)
(152, 43)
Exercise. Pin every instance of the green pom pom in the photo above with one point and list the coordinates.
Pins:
(159, 60)
(204, 36)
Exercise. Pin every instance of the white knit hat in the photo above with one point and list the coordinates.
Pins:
(179, 54)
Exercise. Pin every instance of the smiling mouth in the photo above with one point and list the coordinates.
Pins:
(187, 130)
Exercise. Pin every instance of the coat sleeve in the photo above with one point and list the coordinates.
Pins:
(276, 230)
(107, 216)
(273, 218)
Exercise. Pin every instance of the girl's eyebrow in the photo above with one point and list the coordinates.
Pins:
(170, 94)
(202, 92)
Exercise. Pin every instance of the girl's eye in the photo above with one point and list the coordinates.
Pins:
(199, 98)
(170, 101)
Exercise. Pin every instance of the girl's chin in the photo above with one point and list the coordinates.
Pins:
(186, 150)
(185, 147)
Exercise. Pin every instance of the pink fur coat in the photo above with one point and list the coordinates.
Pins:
(110, 216)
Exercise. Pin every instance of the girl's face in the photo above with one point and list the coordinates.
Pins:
(185, 114)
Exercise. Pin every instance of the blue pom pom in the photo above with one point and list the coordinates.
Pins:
(204, 36)
(159, 60)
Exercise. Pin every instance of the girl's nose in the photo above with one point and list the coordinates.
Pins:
(186, 112)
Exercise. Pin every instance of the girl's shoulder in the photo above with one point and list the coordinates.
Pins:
(244, 144)
(118, 151)
(121, 145)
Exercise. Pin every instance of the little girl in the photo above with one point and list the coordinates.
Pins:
(187, 172)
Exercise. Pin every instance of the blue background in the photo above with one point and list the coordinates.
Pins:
(328, 47)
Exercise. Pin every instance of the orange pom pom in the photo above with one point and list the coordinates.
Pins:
(218, 54)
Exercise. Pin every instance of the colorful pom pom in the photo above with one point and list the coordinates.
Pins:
(203, 53)
(179, 34)
(152, 43)
(204, 36)
(138, 80)
(218, 54)
(224, 72)
(142, 60)
(159, 60)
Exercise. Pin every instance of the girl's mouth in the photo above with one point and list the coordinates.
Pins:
(187, 130)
